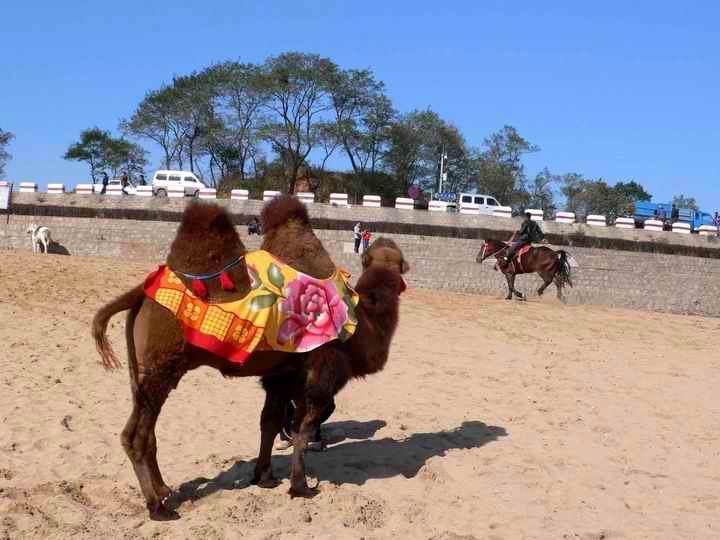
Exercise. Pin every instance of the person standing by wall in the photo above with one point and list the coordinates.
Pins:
(357, 235)
(105, 182)
(716, 222)
(365, 240)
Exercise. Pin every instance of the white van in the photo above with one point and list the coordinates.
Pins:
(163, 179)
(486, 202)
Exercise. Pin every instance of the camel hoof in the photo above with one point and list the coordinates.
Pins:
(164, 492)
(161, 513)
(306, 492)
(265, 481)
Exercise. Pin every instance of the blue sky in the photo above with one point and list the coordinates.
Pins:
(619, 90)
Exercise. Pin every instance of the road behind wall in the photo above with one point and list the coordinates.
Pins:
(631, 269)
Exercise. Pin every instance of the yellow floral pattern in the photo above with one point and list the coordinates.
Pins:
(285, 310)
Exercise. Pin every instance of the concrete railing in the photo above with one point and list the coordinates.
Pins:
(565, 217)
(239, 195)
(306, 197)
(625, 223)
(339, 199)
(403, 203)
(372, 201)
(682, 228)
(596, 220)
(208, 193)
(653, 225)
(438, 206)
(536, 215)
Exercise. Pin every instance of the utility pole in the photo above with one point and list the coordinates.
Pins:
(443, 157)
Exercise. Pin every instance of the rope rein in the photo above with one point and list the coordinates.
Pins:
(204, 277)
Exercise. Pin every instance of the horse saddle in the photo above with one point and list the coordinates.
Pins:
(516, 263)
(285, 310)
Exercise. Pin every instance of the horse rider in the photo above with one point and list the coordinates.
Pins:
(529, 232)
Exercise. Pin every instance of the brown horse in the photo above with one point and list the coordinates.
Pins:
(549, 264)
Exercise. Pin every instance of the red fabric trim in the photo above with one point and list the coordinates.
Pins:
(152, 282)
(214, 345)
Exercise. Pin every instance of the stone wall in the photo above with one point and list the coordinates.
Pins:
(640, 271)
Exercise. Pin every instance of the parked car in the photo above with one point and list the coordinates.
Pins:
(163, 179)
(486, 202)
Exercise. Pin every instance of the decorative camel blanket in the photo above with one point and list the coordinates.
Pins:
(285, 310)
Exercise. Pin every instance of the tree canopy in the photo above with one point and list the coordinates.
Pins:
(5, 138)
(104, 153)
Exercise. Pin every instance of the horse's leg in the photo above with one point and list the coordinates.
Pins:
(277, 395)
(518, 294)
(547, 278)
(510, 278)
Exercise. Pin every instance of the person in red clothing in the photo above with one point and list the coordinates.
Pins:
(365, 239)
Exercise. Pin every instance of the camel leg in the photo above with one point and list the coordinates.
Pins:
(321, 379)
(140, 444)
(277, 395)
(156, 367)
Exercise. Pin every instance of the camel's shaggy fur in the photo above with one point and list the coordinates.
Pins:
(158, 355)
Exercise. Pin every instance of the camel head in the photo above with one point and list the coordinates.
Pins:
(385, 253)
(207, 244)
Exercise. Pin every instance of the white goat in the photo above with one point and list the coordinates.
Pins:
(40, 235)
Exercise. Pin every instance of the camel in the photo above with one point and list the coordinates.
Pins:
(159, 355)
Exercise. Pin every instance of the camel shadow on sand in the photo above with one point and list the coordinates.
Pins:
(353, 462)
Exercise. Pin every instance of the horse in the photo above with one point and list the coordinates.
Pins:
(551, 265)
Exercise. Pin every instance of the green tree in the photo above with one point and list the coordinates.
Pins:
(585, 197)
(125, 157)
(295, 87)
(102, 152)
(633, 190)
(363, 115)
(501, 172)
(541, 193)
(92, 149)
(681, 201)
(416, 143)
(5, 138)
(232, 139)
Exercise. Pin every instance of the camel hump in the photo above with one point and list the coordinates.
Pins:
(282, 209)
(206, 240)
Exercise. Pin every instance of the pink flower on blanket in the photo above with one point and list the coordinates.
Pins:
(315, 313)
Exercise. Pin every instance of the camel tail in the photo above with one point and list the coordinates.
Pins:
(129, 300)
(564, 273)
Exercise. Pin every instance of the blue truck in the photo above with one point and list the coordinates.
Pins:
(663, 212)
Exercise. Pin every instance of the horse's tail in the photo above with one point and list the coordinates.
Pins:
(129, 300)
(564, 273)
